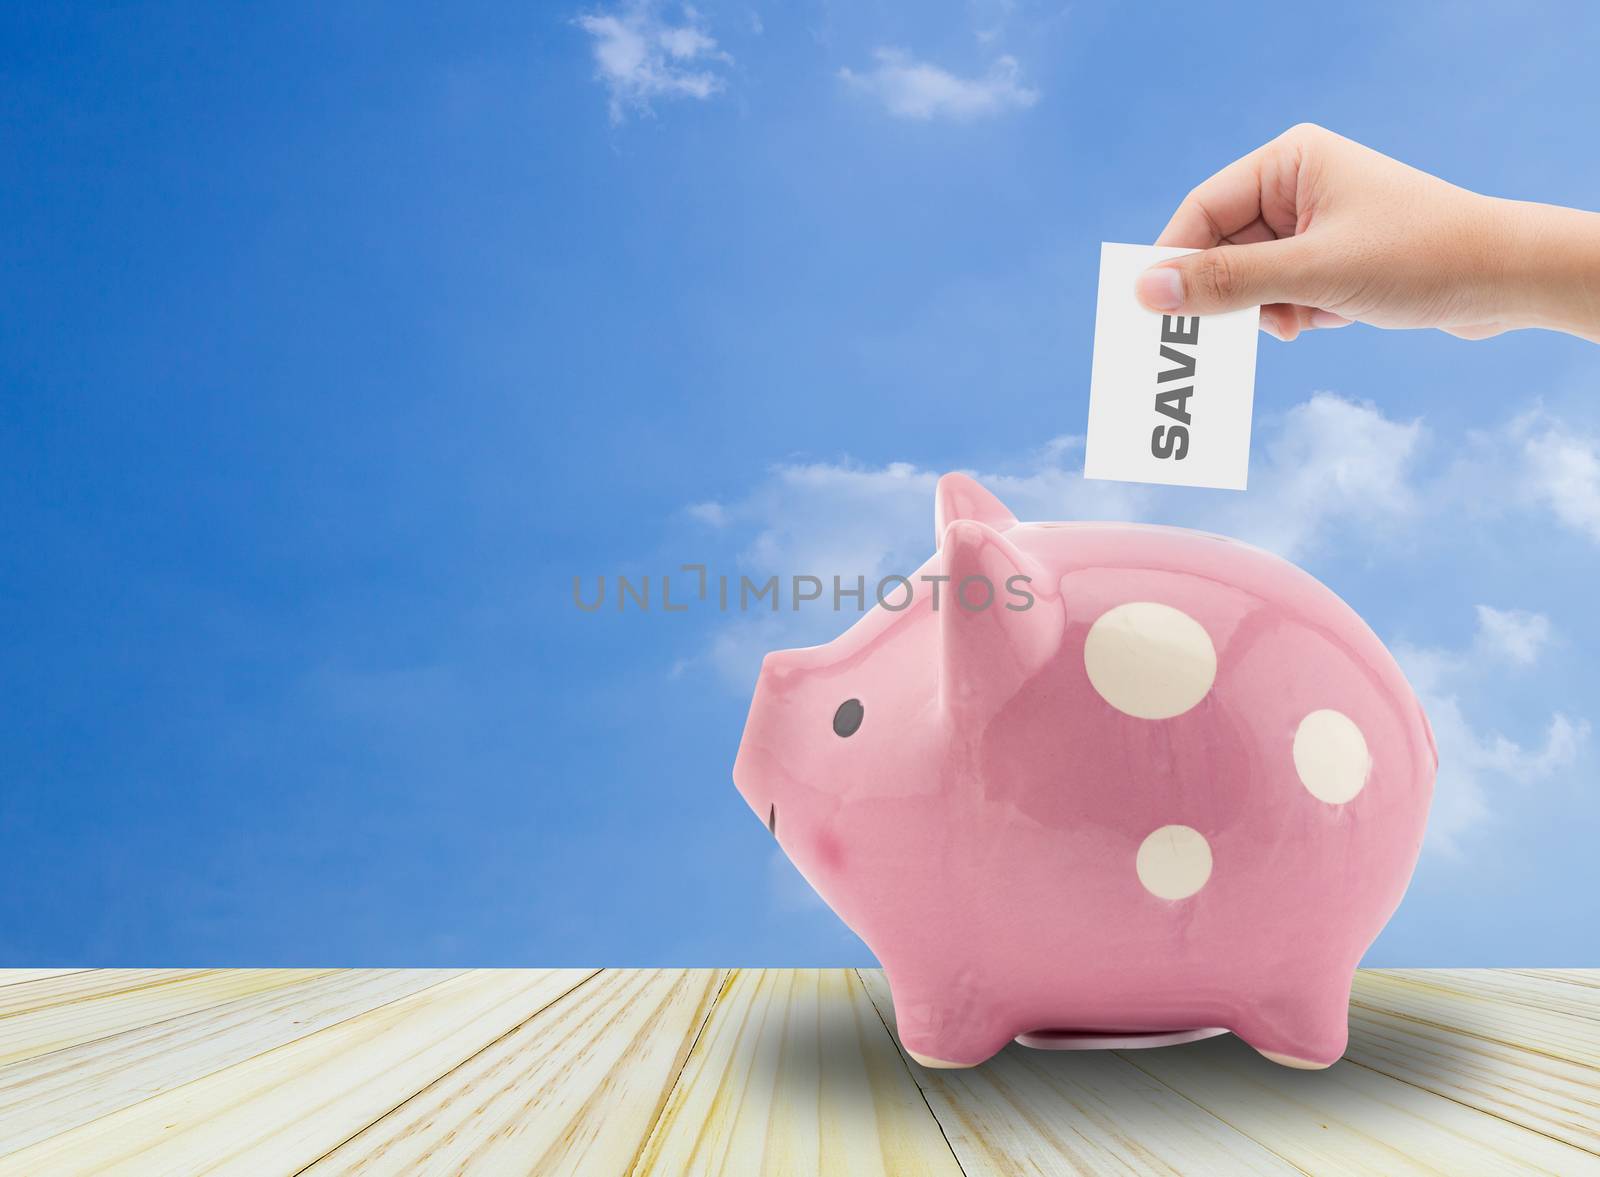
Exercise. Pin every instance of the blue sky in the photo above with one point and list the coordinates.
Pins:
(336, 339)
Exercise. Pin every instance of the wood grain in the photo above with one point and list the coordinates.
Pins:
(1564, 1028)
(85, 984)
(1588, 977)
(34, 1031)
(53, 1092)
(573, 1090)
(396, 1071)
(1543, 995)
(795, 1074)
(18, 976)
(1542, 1092)
(279, 1111)
(1352, 1119)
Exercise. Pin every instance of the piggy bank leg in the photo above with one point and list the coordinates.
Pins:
(1307, 1027)
(938, 1032)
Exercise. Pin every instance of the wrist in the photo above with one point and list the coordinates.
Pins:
(1551, 261)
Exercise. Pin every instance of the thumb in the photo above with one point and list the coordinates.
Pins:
(1231, 277)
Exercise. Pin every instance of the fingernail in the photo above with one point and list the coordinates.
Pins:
(1160, 288)
(1328, 319)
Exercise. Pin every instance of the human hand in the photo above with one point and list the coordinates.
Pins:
(1321, 231)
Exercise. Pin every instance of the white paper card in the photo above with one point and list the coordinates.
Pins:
(1169, 396)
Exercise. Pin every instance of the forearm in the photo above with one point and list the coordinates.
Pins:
(1552, 267)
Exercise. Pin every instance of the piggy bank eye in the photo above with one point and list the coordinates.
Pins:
(848, 718)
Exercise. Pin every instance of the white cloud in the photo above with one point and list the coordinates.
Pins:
(1329, 461)
(990, 18)
(1537, 461)
(1476, 764)
(1561, 470)
(709, 513)
(1513, 634)
(639, 57)
(914, 89)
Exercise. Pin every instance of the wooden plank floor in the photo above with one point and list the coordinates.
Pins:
(749, 1071)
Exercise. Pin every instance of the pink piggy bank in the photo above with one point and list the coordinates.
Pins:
(1113, 785)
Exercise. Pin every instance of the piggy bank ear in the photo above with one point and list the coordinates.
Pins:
(960, 497)
(1000, 619)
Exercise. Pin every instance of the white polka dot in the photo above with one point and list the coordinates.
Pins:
(1331, 756)
(1174, 862)
(1148, 660)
